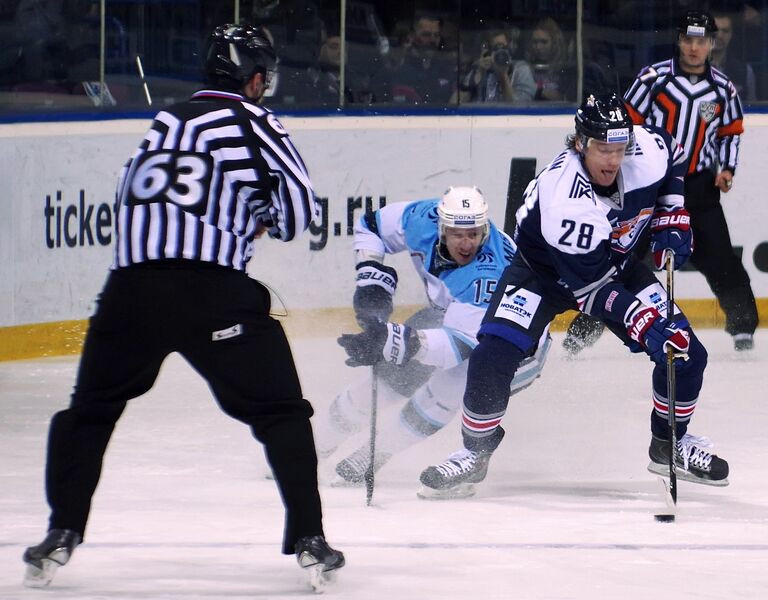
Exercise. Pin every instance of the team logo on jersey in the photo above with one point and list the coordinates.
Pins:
(580, 187)
(518, 305)
(708, 110)
(624, 233)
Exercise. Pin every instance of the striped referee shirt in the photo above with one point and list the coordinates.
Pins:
(210, 174)
(703, 113)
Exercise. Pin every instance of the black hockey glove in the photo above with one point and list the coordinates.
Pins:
(376, 284)
(389, 342)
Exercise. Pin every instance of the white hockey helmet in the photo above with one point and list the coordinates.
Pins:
(463, 208)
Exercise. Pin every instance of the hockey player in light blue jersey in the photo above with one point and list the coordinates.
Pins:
(459, 255)
(576, 237)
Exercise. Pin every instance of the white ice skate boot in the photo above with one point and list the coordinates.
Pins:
(351, 470)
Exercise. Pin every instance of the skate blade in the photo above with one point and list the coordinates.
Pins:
(319, 578)
(36, 577)
(663, 470)
(463, 490)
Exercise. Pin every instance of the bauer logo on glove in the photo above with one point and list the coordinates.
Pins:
(671, 230)
(389, 342)
(656, 334)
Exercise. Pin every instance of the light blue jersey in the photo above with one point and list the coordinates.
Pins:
(461, 292)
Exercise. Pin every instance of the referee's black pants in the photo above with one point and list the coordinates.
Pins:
(218, 320)
(714, 257)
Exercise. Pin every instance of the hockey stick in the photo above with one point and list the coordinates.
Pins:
(670, 264)
(521, 171)
(144, 85)
(369, 472)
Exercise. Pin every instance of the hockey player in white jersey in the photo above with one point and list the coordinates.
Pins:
(459, 254)
(576, 237)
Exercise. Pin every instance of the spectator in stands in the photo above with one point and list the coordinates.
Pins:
(296, 30)
(320, 83)
(739, 72)
(553, 70)
(496, 76)
(425, 74)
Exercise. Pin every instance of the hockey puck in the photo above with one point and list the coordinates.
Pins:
(664, 518)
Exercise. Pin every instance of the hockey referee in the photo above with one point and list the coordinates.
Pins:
(697, 104)
(211, 175)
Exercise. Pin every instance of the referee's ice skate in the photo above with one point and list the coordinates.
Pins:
(692, 461)
(319, 560)
(455, 477)
(50, 554)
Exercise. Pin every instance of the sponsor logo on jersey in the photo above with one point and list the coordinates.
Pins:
(708, 110)
(518, 305)
(654, 296)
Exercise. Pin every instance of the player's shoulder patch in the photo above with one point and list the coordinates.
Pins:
(580, 187)
(566, 181)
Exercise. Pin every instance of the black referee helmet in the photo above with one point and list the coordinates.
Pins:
(697, 23)
(235, 53)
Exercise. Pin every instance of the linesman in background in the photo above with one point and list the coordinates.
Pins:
(211, 175)
(698, 104)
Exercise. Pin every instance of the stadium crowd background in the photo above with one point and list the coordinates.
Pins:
(72, 58)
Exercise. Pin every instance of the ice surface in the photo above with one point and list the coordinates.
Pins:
(184, 512)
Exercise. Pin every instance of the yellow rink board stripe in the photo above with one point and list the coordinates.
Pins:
(66, 337)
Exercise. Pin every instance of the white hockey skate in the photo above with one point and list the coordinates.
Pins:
(50, 554)
(455, 477)
(350, 471)
(692, 462)
(319, 561)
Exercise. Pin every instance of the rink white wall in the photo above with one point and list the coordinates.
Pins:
(54, 264)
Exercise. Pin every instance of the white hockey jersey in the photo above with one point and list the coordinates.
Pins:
(461, 292)
(578, 241)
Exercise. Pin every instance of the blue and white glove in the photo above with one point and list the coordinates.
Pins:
(388, 342)
(375, 286)
(655, 334)
(671, 229)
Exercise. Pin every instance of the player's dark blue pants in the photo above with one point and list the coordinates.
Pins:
(520, 309)
(218, 320)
